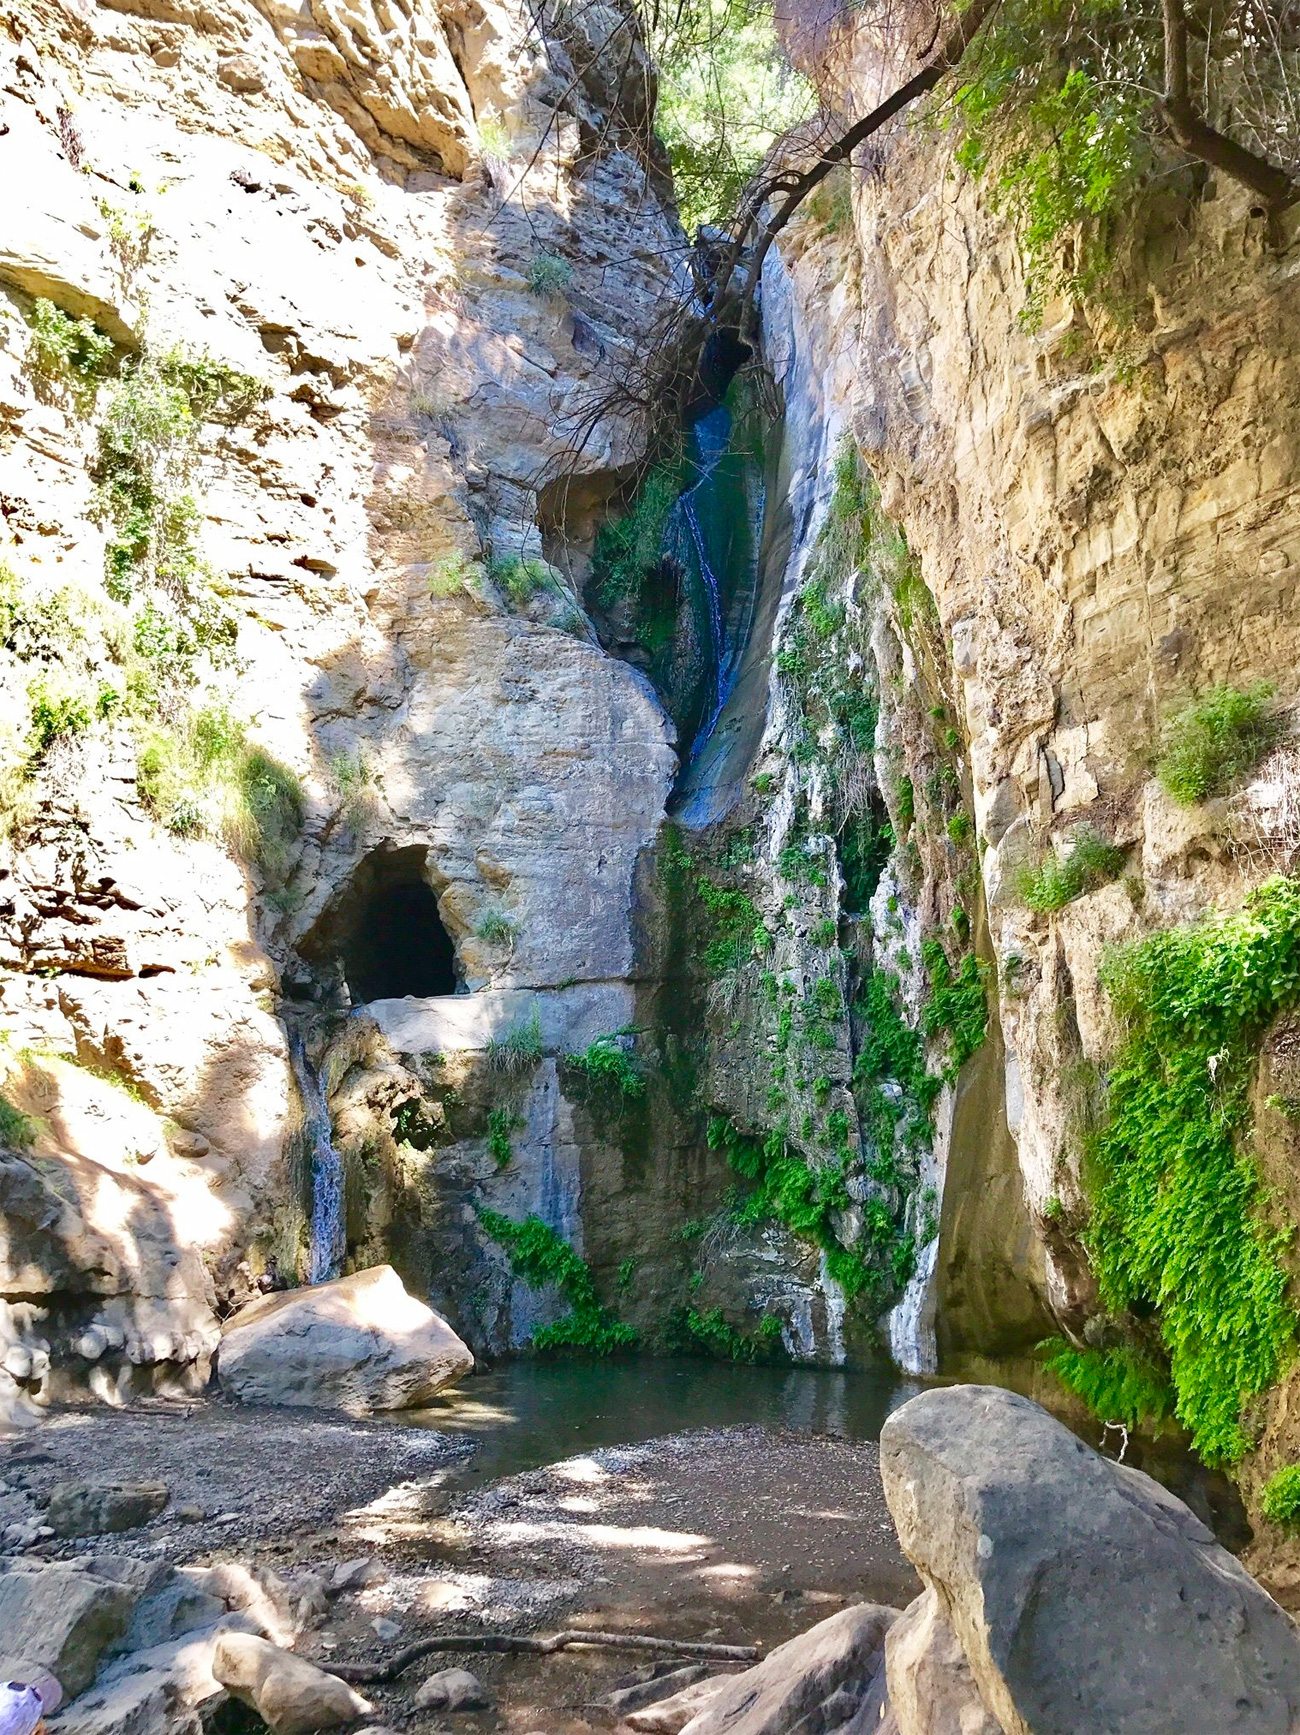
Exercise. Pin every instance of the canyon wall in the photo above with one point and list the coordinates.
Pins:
(422, 244)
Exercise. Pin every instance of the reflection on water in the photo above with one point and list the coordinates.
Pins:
(528, 1413)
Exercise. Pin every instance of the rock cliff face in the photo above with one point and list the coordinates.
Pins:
(348, 209)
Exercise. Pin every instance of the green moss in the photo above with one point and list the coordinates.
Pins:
(605, 1062)
(1119, 1385)
(1179, 1225)
(1208, 746)
(1089, 862)
(1280, 1501)
(541, 1258)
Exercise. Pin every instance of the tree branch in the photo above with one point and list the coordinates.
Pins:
(1273, 185)
(525, 1643)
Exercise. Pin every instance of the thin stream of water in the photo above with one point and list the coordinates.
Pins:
(328, 1230)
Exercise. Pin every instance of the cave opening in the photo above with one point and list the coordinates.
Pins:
(393, 942)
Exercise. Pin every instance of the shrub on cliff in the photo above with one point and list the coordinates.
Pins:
(1089, 862)
(1207, 746)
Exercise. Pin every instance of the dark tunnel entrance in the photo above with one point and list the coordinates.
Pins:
(392, 941)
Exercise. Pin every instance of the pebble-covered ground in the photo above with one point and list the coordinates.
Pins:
(741, 1535)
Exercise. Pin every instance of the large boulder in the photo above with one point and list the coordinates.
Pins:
(95, 1508)
(290, 1694)
(813, 1683)
(63, 1616)
(1084, 1596)
(359, 1344)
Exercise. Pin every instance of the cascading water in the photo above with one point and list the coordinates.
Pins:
(328, 1229)
(712, 434)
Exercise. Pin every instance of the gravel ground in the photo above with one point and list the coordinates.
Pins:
(745, 1535)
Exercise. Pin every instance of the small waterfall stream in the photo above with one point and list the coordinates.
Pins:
(711, 436)
(328, 1229)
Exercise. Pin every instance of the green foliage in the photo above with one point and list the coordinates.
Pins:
(959, 828)
(864, 846)
(68, 352)
(497, 929)
(957, 1004)
(1089, 862)
(1280, 1501)
(739, 933)
(147, 449)
(454, 574)
(519, 1050)
(522, 580)
(493, 140)
(1179, 1225)
(1213, 742)
(202, 777)
(831, 203)
(548, 275)
(540, 1257)
(627, 548)
(502, 1122)
(725, 92)
(606, 1062)
(17, 1130)
(1052, 109)
(709, 1333)
(55, 718)
(1119, 1385)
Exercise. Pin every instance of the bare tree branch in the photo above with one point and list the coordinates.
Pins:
(526, 1643)
(1273, 185)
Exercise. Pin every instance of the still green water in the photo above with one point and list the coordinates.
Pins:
(527, 1413)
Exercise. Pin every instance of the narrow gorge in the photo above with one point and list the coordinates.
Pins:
(650, 806)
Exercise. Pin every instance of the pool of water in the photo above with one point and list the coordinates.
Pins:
(525, 1413)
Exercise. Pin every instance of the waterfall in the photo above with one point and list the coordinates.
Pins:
(328, 1229)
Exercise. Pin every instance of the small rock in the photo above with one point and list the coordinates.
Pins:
(452, 1690)
(287, 1692)
(241, 73)
(92, 1509)
(385, 1629)
(356, 1574)
(188, 1513)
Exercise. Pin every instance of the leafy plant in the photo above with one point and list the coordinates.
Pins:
(203, 777)
(1280, 1500)
(519, 1050)
(1089, 862)
(548, 275)
(540, 1257)
(502, 1122)
(957, 1004)
(17, 1130)
(521, 579)
(1179, 1226)
(455, 574)
(1212, 743)
(1119, 1385)
(709, 1333)
(70, 352)
(606, 1062)
(493, 140)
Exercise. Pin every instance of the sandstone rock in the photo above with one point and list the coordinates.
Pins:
(658, 1688)
(240, 72)
(1084, 1595)
(816, 1680)
(289, 1693)
(92, 1509)
(670, 1716)
(358, 1344)
(62, 1617)
(931, 1689)
(452, 1690)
